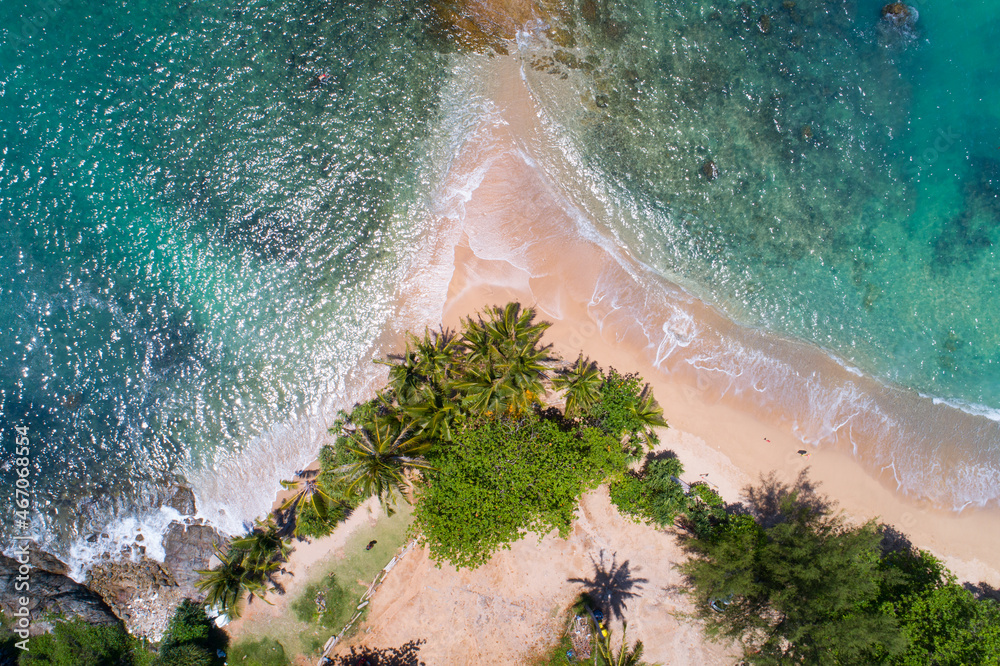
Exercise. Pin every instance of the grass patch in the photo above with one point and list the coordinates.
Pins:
(303, 629)
(262, 652)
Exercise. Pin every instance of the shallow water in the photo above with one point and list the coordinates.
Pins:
(858, 195)
(205, 210)
(855, 205)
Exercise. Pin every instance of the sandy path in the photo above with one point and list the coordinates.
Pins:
(513, 606)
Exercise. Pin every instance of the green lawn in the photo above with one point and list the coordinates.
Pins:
(349, 569)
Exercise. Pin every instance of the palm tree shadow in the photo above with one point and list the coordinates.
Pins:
(405, 655)
(611, 587)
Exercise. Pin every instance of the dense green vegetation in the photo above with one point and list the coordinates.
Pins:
(77, 643)
(461, 430)
(508, 476)
(191, 639)
(795, 583)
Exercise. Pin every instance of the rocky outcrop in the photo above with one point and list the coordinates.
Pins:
(50, 595)
(142, 594)
(189, 548)
(183, 501)
(899, 15)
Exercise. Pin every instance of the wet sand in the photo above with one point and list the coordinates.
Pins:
(504, 232)
(515, 238)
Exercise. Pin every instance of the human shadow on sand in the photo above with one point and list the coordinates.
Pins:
(612, 584)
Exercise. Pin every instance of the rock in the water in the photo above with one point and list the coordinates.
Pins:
(764, 24)
(189, 548)
(710, 170)
(183, 501)
(899, 15)
(51, 595)
(807, 132)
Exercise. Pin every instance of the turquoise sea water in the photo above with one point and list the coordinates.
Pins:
(205, 209)
(858, 198)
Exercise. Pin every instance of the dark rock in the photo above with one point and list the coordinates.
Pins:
(764, 24)
(187, 549)
(50, 595)
(807, 132)
(899, 15)
(710, 170)
(46, 562)
(139, 538)
(183, 501)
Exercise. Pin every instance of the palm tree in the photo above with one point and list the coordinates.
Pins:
(405, 376)
(479, 344)
(485, 391)
(435, 414)
(307, 492)
(647, 411)
(263, 546)
(383, 458)
(582, 384)
(226, 584)
(514, 326)
(625, 656)
(437, 352)
(505, 365)
(524, 373)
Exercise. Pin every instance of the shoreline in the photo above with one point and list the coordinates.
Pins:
(514, 238)
(511, 238)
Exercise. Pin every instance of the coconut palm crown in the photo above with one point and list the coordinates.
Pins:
(382, 459)
(582, 384)
(225, 585)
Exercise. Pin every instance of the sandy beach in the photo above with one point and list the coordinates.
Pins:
(513, 237)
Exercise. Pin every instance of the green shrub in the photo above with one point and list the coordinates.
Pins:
(188, 654)
(505, 477)
(630, 495)
(615, 410)
(190, 639)
(262, 652)
(326, 603)
(189, 624)
(653, 495)
(77, 643)
(8, 649)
